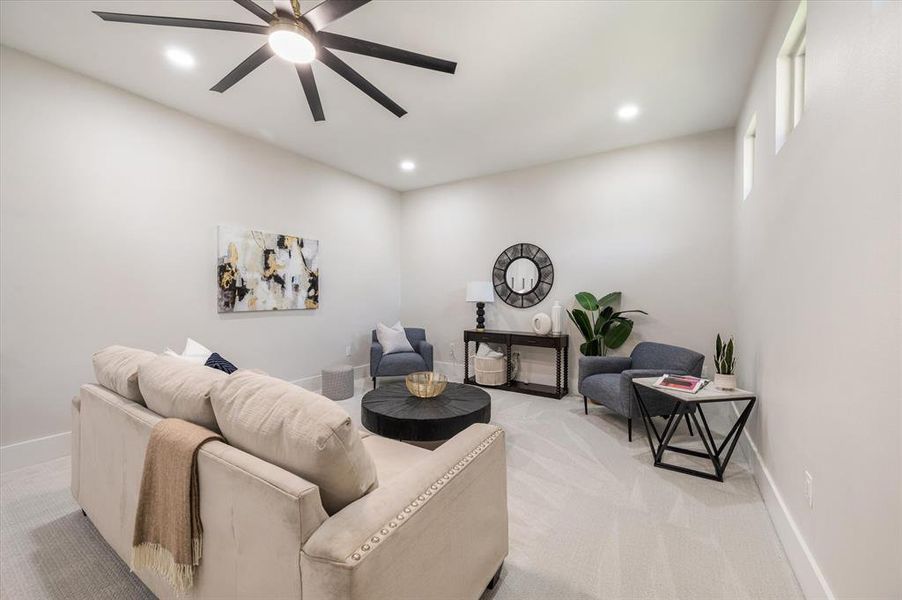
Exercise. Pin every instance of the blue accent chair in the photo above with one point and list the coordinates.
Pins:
(607, 380)
(401, 363)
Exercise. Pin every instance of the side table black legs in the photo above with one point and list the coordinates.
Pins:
(466, 360)
(508, 339)
(566, 370)
(658, 443)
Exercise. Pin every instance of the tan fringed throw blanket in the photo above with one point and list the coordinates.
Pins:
(168, 534)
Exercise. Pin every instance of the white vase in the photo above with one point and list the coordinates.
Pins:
(724, 382)
(541, 324)
(557, 315)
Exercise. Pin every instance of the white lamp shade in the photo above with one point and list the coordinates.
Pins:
(480, 291)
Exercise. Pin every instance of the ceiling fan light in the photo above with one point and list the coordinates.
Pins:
(291, 45)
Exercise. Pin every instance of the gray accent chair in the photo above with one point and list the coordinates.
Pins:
(607, 380)
(401, 363)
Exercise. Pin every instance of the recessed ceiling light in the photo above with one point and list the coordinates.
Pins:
(627, 112)
(407, 165)
(180, 58)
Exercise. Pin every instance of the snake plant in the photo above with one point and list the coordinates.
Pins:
(724, 361)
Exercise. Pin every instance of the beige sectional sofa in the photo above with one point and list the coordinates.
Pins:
(432, 526)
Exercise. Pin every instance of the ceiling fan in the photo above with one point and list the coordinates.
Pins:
(299, 38)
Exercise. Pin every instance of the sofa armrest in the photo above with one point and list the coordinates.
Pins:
(595, 365)
(424, 349)
(375, 358)
(438, 530)
(638, 373)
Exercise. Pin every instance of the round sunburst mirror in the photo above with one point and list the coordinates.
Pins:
(523, 275)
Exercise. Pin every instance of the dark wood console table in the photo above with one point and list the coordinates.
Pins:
(558, 342)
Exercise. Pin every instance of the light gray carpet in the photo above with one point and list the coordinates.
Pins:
(589, 518)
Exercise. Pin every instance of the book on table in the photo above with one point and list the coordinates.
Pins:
(681, 383)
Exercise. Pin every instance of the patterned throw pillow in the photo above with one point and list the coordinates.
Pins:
(217, 362)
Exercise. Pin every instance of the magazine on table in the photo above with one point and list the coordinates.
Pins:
(681, 383)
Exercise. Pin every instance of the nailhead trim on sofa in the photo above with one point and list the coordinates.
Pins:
(420, 500)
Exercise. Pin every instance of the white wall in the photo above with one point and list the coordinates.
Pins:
(652, 221)
(818, 299)
(108, 211)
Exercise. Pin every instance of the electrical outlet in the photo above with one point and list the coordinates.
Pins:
(809, 489)
(453, 348)
(347, 351)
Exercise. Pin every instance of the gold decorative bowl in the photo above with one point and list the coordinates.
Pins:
(426, 384)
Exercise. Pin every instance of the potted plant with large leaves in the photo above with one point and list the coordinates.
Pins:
(600, 324)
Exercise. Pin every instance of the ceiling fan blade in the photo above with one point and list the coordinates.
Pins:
(256, 9)
(357, 46)
(260, 56)
(305, 74)
(180, 22)
(345, 70)
(284, 9)
(331, 10)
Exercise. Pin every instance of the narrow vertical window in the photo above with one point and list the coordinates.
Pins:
(790, 90)
(748, 157)
(798, 81)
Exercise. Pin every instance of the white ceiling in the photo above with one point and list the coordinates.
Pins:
(537, 81)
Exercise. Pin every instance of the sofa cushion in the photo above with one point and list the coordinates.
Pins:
(116, 368)
(298, 430)
(174, 387)
(391, 456)
(402, 363)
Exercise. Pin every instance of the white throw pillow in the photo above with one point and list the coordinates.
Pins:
(393, 339)
(194, 352)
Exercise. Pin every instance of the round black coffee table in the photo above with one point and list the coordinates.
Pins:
(391, 411)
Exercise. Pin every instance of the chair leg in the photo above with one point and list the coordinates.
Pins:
(629, 428)
(688, 423)
(374, 383)
(586, 405)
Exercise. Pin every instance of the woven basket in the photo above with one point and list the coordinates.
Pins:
(491, 371)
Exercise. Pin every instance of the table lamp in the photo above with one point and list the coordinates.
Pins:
(480, 292)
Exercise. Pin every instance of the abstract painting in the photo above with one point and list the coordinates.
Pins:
(266, 271)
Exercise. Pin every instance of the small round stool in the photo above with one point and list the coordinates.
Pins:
(338, 382)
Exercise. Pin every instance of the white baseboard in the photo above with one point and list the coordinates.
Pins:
(453, 371)
(32, 452)
(807, 571)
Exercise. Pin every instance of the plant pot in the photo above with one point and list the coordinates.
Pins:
(724, 382)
